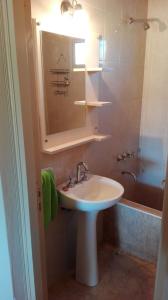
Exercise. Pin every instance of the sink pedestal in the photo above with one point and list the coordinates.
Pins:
(88, 198)
(86, 261)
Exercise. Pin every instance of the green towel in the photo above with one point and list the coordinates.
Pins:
(50, 197)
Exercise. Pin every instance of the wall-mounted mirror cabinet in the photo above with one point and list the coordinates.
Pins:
(62, 86)
(63, 65)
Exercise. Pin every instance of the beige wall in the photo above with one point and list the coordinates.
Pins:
(121, 83)
(154, 123)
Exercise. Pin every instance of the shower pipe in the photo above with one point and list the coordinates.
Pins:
(162, 25)
(144, 21)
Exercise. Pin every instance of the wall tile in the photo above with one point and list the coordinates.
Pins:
(120, 83)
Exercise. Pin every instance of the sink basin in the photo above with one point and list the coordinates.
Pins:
(88, 198)
(97, 193)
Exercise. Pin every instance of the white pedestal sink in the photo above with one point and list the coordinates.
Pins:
(88, 198)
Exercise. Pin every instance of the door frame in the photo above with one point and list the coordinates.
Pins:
(6, 284)
(18, 169)
(161, 283)
(20, 85)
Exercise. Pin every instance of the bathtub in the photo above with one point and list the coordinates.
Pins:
(147, 195)
(134, 228)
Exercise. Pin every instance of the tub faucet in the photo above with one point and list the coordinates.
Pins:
(81, 172)
(126, 155)
(133, 175)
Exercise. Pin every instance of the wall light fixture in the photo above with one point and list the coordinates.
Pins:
(70, 7)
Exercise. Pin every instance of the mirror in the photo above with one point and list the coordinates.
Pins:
(61, 84)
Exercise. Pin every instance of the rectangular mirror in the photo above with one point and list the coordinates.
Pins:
(62, 86)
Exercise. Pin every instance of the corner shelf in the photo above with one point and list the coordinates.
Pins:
(78, 142)
(92, 103)
(98, 69)
(89, 70)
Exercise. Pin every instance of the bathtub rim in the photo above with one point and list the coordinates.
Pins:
(141, 207)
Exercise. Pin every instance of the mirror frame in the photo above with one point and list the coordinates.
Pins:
(49, 141)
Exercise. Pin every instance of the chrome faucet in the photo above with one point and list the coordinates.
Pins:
(132, 174)
(126, 155)
(81, 172)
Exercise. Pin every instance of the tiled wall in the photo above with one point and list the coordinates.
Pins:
(121, 83)
(154, 123)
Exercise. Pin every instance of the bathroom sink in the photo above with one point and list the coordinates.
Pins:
(97, 193)
(88, 198)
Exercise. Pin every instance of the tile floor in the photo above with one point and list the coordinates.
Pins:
(122, 277)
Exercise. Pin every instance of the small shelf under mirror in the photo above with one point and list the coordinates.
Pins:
(79, 69)
(92, 103)
(66, 133)
(75, 143)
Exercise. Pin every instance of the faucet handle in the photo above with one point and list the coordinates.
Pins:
(85, 175)
(124, 155)
(86, 166)
(119, 157)
(70, 184)
(130, 154)
(82, 169)
(85, 172)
